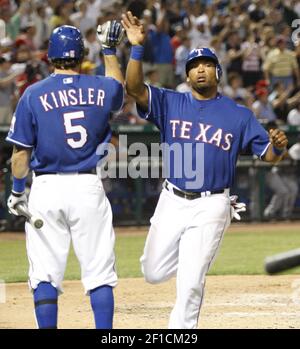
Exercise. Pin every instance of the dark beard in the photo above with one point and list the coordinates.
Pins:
(204, 90)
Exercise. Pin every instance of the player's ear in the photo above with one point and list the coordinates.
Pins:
(188, 80)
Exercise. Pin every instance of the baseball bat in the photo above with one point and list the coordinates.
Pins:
(282, 261)
(22, 209)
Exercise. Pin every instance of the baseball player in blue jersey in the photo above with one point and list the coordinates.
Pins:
(188, 224)
(57, 127)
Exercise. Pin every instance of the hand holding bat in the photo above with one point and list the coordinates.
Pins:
(22, 210)
(17, 205)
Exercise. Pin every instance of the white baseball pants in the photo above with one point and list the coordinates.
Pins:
(184, 238)
(73, 207)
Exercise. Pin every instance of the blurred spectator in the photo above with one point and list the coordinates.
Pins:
(200, 34)
(289, 11)
(33, 73)
(279, 98)
(42, 26)
(148, 59)
(80, 18)
(19, 19)
(91, 43)
(235, 88)
(256, 11)
(7, 87)
(281, 65)
(285, 186)
(286, 32)
(93, 10)
(218, 23)
(251, 61)
(218, 46)
(88, 68)
(152, 78)
(234, 53)
(285, 190)
(128, 114)
(262, 108)
(181, 55)
(162, 51)
(297, 51)
(137, 7)
(5, 14)
(6, 47)
(26, 36)
(268, 43)
(178, 37)
(61, 16)
(293, 117)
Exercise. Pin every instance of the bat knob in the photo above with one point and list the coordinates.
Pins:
(38, 224)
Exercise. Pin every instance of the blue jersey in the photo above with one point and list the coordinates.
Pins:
(64, 118)
(222, 127)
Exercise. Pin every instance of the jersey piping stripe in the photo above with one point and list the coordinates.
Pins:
(18, 143)
(149, 101)
(264, 151)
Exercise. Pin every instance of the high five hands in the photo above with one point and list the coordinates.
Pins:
(134, 29)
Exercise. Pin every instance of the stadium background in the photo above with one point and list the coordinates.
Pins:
(246, 36)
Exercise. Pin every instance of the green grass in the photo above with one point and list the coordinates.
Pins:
(241, 253)
(244, 253)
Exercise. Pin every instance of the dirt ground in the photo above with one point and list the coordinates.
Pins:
(230, 302)
(257, 301)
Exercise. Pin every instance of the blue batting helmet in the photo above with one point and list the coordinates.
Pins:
(207, 53)
(66, 43)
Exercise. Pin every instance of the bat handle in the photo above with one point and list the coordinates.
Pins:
(34, 221)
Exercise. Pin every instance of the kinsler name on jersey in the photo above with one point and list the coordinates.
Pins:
(205, 133)
(65, 98)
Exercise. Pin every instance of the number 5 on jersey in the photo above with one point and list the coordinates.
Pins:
(68, 117)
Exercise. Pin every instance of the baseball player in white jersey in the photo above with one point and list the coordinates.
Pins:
(56, 130)
(193, 213)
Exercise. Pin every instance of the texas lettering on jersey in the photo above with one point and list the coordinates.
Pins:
(72, 97)
(205, 133)
(209, 135)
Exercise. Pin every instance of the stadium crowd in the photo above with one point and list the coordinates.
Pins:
(253, 40)
(257, 42)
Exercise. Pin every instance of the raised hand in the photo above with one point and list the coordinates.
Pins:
(134, 29)
(110, 34)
